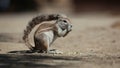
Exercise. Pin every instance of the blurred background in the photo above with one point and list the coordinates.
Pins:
(96, 23)
(69, 6)
(95, 33)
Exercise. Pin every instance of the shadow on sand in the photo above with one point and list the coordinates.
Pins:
(21, 59)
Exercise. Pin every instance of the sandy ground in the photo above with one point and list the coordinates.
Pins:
(92, 43)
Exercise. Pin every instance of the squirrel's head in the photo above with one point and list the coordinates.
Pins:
(65, 25)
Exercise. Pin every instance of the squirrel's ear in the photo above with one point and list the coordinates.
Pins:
(56, 21)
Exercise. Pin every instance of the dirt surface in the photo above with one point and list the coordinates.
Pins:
(93, 42)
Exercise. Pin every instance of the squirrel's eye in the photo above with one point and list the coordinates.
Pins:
(65, 21)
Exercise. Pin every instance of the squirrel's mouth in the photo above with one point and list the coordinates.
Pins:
(67, 32)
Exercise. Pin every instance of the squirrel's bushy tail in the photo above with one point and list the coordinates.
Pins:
(35, 21)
